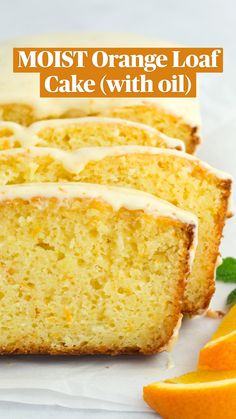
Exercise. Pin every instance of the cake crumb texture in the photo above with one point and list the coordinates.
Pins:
(70, 283)
(168, 123)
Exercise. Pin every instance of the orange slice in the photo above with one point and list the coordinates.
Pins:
(220, 352)
(196, 395)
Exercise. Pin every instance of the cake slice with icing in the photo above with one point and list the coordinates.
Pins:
(90, 269)
(174, 176)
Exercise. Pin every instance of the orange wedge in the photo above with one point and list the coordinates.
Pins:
(220, 352)
(196, 395)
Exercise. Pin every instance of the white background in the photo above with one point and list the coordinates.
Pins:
(192, 22)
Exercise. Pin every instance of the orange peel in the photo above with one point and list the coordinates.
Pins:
(196, 395)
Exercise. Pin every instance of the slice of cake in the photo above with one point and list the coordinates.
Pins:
(174, 176)
(90, 269)
(72, 134)
(20, 101)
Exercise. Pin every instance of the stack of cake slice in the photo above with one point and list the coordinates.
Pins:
(72, 134)
(109, 231)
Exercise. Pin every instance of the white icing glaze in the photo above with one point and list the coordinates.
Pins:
(170, 361)
(24, 87)
(76, 161)
(28, 136)
(117, 197)
(16, 128)
(170, 141)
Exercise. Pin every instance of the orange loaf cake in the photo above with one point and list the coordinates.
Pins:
(88, 269)
(177, 177)
(71, 134)
(20, 101)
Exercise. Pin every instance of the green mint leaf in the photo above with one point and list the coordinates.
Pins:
(227, 271)
(232, 298)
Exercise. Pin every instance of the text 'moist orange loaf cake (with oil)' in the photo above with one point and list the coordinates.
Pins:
(75, 133)
(90, 269)
(20, 101)
(175, 176)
